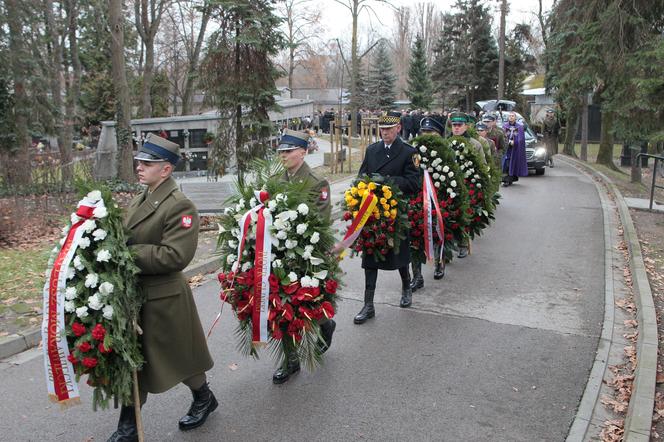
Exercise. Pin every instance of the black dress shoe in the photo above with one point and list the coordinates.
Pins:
(463, 252)
(417, 282)
(439, 271)
(127, 431)
(367, 312)
(204, 403)
(406, 298)
(327, 330)
(283, 374)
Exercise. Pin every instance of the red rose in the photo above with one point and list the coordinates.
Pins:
(480, 195)
(443, 204)
(72, 359)
(85, 347)
(473, 201)
(90, 362)
(455, 226)
(98, 332)
(478, 219)
(348, 216)
(383, 251)
(446, 214)
(103, 350)
(471, 192)
(358, 247)
(78, 329)
(449, 237)
(331, 286)
(472, 186)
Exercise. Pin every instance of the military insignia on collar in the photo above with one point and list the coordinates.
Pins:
(416, 159)
(187, 221)
(324, 194)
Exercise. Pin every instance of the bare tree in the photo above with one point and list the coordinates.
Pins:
(123, 107)
(301, 25)
(402, 37)
(429, 24)
(147, 15)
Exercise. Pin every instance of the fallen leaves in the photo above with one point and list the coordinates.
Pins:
(196, 280)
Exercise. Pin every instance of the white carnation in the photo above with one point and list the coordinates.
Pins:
(70, 293)
(430, 169)
(94, 196)
(106, 288)
(91, 280)
(315, 238)
(272, 204)
(82, 312)
(108, 312)
(103, 255)
(246, 266)
(423, 149)
(291, 244)
(70, 306)
(453, 183)
(99, 234)
(292, 214)
(282, 234)
(78, 265)
(100, 212)
(436, 176)
(277, 264)
(71, 273)
(446, 169)
(449, 190)
(301, 228)
(451, 174)
(308, 250)
(292, 276)
(479, 185)
(453, 195)
(303, 209)
(94, 302)
(434, 153)
(84, 243)
(437, 184)
(88, 226)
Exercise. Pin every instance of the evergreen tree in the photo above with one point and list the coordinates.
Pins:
(518, 61)
(447, 71)
(381, 80)
(419, 81)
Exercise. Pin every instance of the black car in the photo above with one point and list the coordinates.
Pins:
(535, 150)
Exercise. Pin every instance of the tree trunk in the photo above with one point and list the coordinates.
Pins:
(74, 89)
(570, 134)
(501, 50)
(191, 76)
(239, 136)
(605, 154)
(17, 161)
(584, 128)
(148, 75)
(125, 160)
(355, 72)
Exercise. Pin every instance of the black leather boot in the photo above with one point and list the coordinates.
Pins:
(418, 280)
(439, 270)
(292, 366)
(368, 310)
(204, 403)
(127, 431)
(326, 331)
(406, 294)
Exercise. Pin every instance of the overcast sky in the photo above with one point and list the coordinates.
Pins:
(337, 20)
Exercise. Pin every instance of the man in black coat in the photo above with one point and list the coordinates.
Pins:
(395, 161)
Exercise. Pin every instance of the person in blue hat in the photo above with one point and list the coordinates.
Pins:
(292, 149)
(429, 125)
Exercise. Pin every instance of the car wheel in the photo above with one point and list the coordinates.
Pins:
(540, 171)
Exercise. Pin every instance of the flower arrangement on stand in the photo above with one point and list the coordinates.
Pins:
(91, 299)
(480, 187)
(378, 216)
(440, 162)
(282, 263)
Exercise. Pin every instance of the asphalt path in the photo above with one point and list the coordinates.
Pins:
(499, 350)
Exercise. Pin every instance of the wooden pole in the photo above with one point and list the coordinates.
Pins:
(137, 408)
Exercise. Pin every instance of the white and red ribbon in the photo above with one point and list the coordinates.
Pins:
(369, 202)
(430, 197)
(60, 374)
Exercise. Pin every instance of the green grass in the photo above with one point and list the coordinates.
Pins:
(593, 150)
(22, 275)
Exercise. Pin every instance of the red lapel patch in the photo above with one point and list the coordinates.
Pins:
(187, 221)
(324, 194)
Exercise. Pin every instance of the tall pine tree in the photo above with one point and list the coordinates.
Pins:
(419, 80)
(381, 80)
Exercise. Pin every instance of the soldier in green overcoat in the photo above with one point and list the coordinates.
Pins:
(163, 227)
(292, 150)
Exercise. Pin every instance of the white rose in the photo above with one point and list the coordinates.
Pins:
(82, 312)
(84, 243)
(315, 238)
(301, 228)
(108, 312)
(453, 183)
(434, 153)
(70, 306)
(479, 185)
(292, 214)
(94, 196)
(94, 302)
(277, 264)
(272, 204)
(106, 288)
(321, 275)
(70, 293)
(446, 169)
(451, 174)
(232, 244)
(425, 159)
(280, 197)
(437, 184)
(303, 209)
(452, 195)
(291, 244)
(99, 234)
(430, 169)
(78, 265)
(91, 280)
(100, 212)
(449, 190)
(439, 169)
(88, 226)
(423, 149)
(103, 255)
(292, 276)
(461, 157)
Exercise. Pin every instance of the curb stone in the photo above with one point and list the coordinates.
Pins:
(638, 420)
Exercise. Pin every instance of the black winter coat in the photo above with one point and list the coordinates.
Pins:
(400, 168)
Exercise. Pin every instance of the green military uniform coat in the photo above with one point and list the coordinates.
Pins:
(164, 236)
(319, 187)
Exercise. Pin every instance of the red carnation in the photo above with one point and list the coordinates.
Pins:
(455, 226)
(390, 229)
(98, 332)
(78, 329)
(471, 192)
(85, 347)
(90, 362)
(331, 286)
(478, 219)
(72, 359)
(473, 201)
(449, 237)
(469, 211)
(103, 350)
(446, 214)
